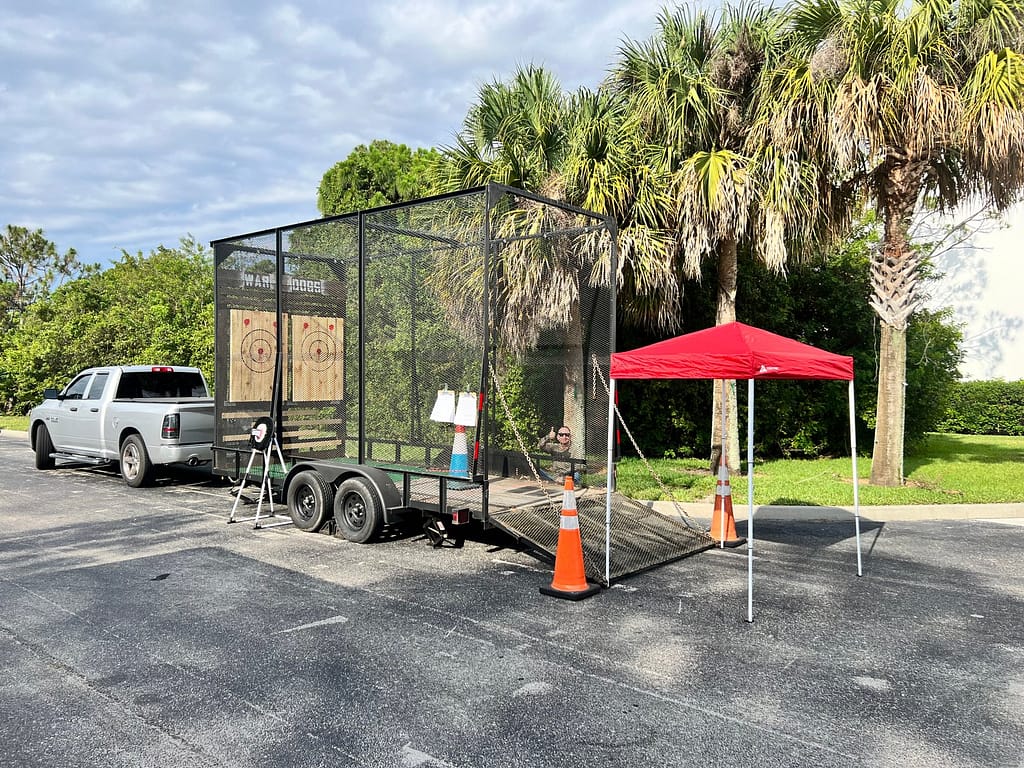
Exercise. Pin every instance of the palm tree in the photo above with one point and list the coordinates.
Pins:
(514, 135)
(903, 103)
(528, 133)
(691, 92)
(575, 148)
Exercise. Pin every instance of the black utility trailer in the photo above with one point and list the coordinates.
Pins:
(411, 357)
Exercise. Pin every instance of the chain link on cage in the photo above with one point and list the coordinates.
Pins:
(685, 518)
(515, 431)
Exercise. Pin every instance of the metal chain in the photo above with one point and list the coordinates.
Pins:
(515, 431)
(664, 488)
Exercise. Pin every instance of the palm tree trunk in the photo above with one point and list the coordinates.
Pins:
(887, 459)
(894, 296)
(726, 313)
(573, 403)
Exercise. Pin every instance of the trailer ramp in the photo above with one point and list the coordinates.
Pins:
(641, 538)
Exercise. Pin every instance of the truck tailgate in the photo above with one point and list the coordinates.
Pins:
(196, 420)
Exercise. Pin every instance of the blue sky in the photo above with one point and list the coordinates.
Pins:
(128, 124)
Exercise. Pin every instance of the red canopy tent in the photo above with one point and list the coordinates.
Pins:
(730, 351)
(738, 351)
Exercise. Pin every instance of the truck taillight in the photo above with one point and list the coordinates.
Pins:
(171, 428)
(162, 369)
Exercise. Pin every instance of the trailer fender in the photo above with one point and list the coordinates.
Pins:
(334, 474)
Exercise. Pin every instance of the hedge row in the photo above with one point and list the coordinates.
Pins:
(985, 408)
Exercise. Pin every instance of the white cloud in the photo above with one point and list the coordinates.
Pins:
(129, 123)
(294, 30)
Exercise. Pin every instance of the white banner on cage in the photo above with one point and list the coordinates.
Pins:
(444, 406)
(465, 413)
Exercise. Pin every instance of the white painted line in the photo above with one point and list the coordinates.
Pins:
(313, 625)
(1004, 520)
(521, 566)
(413, 757)
(534, 689)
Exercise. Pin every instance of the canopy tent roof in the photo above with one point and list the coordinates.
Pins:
(730, 351)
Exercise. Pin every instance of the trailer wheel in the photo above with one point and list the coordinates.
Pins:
(357, 511)
(310, 499)
(136, 468)
(44, 447)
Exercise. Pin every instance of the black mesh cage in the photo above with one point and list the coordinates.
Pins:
(551, 318)
(451, 337)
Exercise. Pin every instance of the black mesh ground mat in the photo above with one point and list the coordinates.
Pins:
(640, 537)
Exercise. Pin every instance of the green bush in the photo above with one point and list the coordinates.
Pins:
(985, 408)
(823, 303)
(143, 309)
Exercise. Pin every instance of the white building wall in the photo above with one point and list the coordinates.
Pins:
(984, 284)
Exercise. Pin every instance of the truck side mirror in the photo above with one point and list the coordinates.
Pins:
(50, 394)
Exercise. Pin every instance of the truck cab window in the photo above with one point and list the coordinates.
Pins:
(146, 384)
(99, 383)
(77, 388)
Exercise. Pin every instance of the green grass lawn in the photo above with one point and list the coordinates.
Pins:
(14, 422)
(946, 469)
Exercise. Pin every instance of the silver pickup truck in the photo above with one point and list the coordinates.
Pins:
(142, 416)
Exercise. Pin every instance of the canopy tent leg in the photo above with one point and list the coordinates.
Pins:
(856, 479)
(750, 500)
(723, 461)
(610, 484)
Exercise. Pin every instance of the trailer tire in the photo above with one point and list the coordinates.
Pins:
(44, 449)
(357, 511)
(136, 467)
(310, 500)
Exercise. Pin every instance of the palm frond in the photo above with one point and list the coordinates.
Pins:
(984, 25)
(993, 125)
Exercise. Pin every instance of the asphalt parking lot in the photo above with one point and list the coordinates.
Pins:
(138, 629)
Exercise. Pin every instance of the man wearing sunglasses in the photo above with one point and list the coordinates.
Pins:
(559, 444)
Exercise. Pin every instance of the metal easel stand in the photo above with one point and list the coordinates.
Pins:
(264, 443)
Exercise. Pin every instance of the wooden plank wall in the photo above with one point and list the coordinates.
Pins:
(318, 358)
(253, 349)
(316, 353)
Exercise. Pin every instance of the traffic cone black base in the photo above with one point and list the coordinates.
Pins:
(592, 589)
(731, 543)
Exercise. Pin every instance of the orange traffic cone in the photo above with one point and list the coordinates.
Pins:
(570, 580)
(723, 524)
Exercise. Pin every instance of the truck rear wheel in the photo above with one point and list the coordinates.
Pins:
(136, 468)
(310, 500)
(357, 511)
(44, 449)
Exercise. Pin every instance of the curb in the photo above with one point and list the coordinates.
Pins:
(1013, 511)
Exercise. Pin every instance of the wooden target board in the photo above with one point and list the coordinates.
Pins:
(253, 354)
(318, 358)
